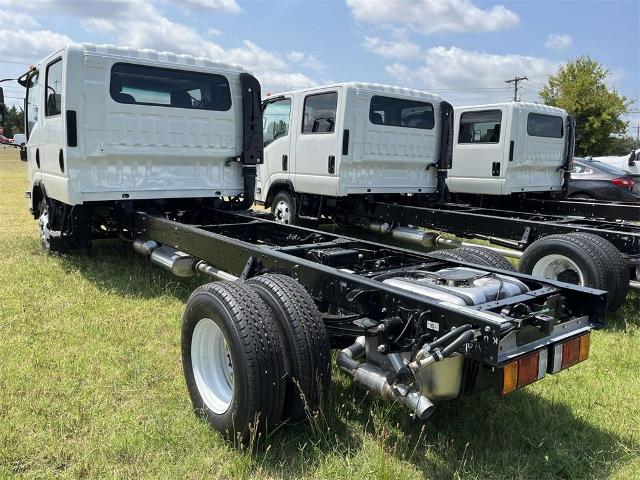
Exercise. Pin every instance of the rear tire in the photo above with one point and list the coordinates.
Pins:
(284, 208)
(620, 268)
(571, 259)
(476, 255)
(245, 396)
(489, 258)
(305, 342)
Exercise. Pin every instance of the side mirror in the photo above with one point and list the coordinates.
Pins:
(632, 159)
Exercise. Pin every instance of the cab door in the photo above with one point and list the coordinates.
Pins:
(52, 159)
(314, 168)
(479, 151)
(276, 167)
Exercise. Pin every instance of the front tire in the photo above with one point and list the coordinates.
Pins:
(232, 360)
(284, 208)
(51, 240)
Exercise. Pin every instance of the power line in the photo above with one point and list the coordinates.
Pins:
(515, 81)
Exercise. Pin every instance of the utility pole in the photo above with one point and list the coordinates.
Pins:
(515, 86)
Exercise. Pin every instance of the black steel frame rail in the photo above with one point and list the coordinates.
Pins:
(519, 227)
(239, 245)
(584, 208)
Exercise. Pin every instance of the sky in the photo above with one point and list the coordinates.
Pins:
(463, 50)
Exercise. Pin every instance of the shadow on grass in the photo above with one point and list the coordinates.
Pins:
(519, 436)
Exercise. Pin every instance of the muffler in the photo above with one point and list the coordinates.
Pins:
(374, 379)
(179, 263)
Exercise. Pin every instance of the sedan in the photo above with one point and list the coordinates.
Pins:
(594, 180)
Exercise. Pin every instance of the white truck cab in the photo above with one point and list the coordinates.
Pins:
(106, 124)
(349, 139)
(508, 148)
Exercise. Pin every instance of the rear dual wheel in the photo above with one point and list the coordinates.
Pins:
(477, 255)
(254, 354)
(581, 259)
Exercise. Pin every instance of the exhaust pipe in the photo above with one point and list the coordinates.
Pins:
(404, 234)
(179, 263)
(374, 379)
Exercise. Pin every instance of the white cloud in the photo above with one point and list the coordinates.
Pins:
(229, 6)
(395, 48)
(451, 69)
(434, 16)
(558, 42)
(307, 60)
(32, 44)
(20, 20)
(139, 24)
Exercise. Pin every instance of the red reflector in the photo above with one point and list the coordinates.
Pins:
(622, 182)
(571, 352)
(527, 370)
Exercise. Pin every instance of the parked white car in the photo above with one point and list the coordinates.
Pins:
(20, 139)
(629, 163)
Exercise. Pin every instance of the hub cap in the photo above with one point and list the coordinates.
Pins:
(212, 367)
(558, 267)
(282, 212)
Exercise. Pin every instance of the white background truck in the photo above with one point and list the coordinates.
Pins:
(156, 148)
(507, 148)
(348, 139)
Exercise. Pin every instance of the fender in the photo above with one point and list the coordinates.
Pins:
(274, 187)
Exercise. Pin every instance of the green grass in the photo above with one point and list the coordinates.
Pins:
(91, 386)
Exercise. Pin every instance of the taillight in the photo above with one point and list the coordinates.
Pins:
(527, 370)
(524, 371)
(622, 182)
(567, 354)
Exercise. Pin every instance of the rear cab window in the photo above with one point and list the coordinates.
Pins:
(319, 113)
(541, 125)
(164, 87)
(400, 112)
(480, 127)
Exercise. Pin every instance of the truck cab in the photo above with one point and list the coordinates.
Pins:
(108, 127)
(508, 148)
(350, 139)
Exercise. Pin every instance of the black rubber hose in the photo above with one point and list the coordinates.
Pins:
(448, 336)
(348, 363)
(457, 343)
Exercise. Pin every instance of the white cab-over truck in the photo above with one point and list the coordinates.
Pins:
(324, 144)
(108, 125)
(159, 149)
(510, 148)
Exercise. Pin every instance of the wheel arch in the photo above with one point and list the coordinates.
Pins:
(275, 188)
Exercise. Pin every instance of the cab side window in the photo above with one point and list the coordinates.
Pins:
(480, 127)
(53, 89)
(275, 120)
(320, 113)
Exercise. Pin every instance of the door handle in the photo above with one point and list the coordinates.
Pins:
(285, 162)
(332, 164)
(495, 169)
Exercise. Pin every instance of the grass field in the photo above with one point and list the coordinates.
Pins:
(91, 386)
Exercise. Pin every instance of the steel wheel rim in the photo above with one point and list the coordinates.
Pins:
(553, 266)
(43, 223)
(282, 212)
(212, 366)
